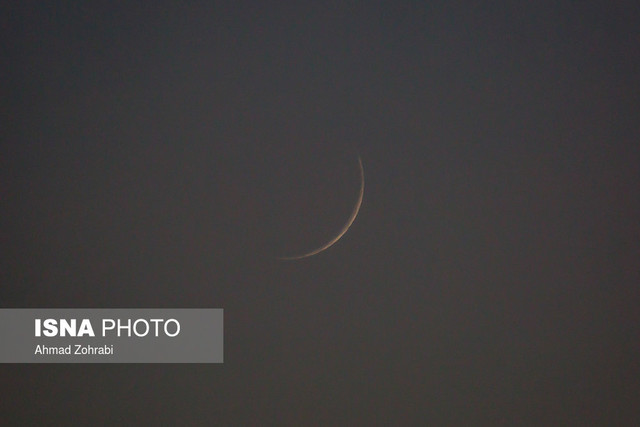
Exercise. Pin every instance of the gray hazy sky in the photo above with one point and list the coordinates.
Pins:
(162, 155)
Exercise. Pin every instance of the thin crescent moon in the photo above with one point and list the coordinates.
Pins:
(344, 229)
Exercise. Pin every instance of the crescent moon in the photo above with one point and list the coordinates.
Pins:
(344, 229)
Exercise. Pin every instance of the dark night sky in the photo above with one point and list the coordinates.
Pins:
(162, 155)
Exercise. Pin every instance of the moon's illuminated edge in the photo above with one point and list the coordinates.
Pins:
(344, 229)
